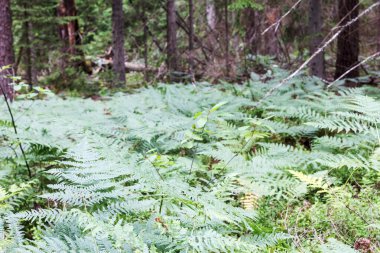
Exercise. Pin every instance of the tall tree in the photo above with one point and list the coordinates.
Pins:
(378, 28)
(249, 21)
(227, 38)
(348, 40)
(146, 50)
(211, 14)
(70, 38)
(171, 36)
(6, 47)
(270, 44)
(317, 67)
(118, 42)
(191, 25)
(69, 31)
(191, 35)
(30, 56)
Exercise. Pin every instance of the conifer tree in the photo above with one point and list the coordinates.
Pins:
(315, 34)
(171, 36)
(6, 47)
(348, 41)
(118, 43)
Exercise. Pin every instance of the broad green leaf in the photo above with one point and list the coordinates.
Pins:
(217, 106)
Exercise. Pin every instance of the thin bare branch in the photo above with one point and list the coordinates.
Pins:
(328, 42)
(354, 67)
(278, 22)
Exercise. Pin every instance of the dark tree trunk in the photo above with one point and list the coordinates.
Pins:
(270, 44)
(118, 42)
(191, 25)
(171, 36)
(249, 19)
(6, 47)
(146, 50)
(70, 37)
(378, 29)
(69, 32)
(31, 73)
(227, 37)
(191, 35)
(317, 66)
(348, 40)
(28, 55)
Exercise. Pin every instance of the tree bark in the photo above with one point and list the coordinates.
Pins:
(211, 14)
(348, 40)
(118, 42)
(31, 73)
(69, 35)
(378, 30)
(181, 23)
(146, 50)
(191, 25)
(270, 43)
(191, 36)
(227, 37)
(69, 32)
(6, 48)
(249, 20)
(317, 66)
(171, 36)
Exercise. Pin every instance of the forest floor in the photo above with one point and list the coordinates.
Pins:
(195, 168)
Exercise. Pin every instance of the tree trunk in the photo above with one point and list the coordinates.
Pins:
(6, 47)
(69, 35)
(28, 55)
(249, 20)
(118, 42)
(317, 67)
(146, 50)
(191, 36)
(69, 32)
(33, 56)
(378, 30)
(191, 25)
(348, 40)
(227, 37)
(211, 14)
(171, 36)
(31, 73)
(270, 45)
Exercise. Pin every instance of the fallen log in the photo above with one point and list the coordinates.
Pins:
(131, 66)
(102, 63)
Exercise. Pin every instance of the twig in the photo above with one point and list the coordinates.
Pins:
(284, 81)
(15, 130)
(278, 22)
(354, 67)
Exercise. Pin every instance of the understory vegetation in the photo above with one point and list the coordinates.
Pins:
(194, 168)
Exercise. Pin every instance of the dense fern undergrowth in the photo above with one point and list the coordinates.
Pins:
(194, 168)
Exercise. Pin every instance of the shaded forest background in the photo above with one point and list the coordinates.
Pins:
(89, 46)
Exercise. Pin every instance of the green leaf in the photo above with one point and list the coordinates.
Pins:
(197, 115)
(217, 106)
(201, 122)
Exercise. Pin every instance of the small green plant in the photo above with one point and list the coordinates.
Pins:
(203, 168)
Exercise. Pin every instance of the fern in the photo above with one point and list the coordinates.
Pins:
(180, 168)
(335, 246)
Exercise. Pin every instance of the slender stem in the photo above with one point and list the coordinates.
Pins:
(161, 204)
(162, 178)
(15, 130)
